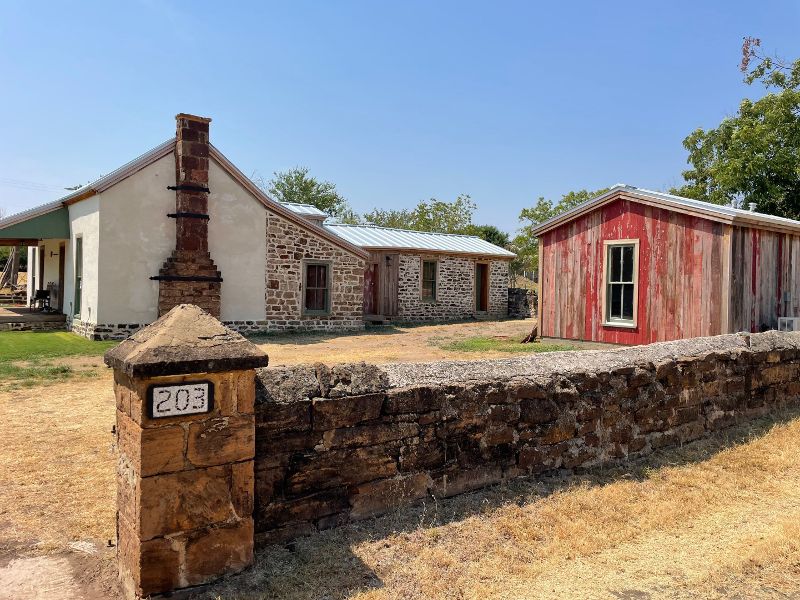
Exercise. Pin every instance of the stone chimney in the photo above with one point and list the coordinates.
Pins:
(190, 276)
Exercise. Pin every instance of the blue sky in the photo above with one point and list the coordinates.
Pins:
(394, 102)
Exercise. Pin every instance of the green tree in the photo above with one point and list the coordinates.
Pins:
(296, 185)
(525, 244)
(433, 215)
(490, 233)
(753, 156)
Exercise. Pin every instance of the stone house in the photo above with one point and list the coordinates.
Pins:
(182, 224)
(416, 276)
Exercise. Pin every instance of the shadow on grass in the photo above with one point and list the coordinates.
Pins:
(323, 566)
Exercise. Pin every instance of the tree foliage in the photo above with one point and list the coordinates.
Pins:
(490, 233)
(296, 185)
(433, 215)
(525, 243)
(754, 155)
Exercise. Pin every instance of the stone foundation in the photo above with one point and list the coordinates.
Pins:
(34, 326)
(355, 441)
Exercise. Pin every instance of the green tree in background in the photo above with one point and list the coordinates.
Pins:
(433, 215)
(296, 185)
(753, 156)
(490, 233)
(525, 243)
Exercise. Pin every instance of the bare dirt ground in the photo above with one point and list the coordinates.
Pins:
(719, 518)
(396, 344)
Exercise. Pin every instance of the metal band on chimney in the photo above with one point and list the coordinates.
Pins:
(188, 215)
(185, 278)
(187, 187)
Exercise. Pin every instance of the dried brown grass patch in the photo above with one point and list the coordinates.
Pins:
(56, 465)
(711, 519)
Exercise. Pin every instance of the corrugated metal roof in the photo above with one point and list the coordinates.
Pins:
(304, 209)
(372, 236)
(718, 212)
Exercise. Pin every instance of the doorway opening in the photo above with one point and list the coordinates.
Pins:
(481, 287)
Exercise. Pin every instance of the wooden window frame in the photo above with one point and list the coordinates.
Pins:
(625, 324)
(328, 280)
(422, 298)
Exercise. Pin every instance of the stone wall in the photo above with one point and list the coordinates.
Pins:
(34, 326)
(102, 331)
(521, 303)
(287, 247)
(455, 296)
(351, 442)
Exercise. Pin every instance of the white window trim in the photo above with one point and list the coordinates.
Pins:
(621, 324)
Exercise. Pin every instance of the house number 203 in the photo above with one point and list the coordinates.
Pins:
(187, 398)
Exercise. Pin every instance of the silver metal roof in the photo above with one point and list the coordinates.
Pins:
(372, 236)
(719, 212)
(305, 209)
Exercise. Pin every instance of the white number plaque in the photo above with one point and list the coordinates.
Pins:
(188, 398)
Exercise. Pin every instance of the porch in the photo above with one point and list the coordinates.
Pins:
(21, 318)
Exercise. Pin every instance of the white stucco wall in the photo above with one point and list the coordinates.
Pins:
(237, 240)
(84, 220)
(137, 237)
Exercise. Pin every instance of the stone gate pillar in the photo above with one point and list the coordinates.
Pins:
(185, 390)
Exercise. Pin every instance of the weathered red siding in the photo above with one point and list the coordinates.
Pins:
(765, 278)
(682, 261)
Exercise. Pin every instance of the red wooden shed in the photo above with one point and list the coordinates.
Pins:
(634, 266)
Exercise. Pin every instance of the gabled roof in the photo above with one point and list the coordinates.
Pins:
(707, 210)
(374, 237)
(160, 151)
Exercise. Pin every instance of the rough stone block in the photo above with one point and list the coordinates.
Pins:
(378, 497)
(337, 468)
(221, 440)
(184, 500)
(538, 410)
(330, 413)
(456, 482)
(217, 551)
(368, 435)
(284, 416)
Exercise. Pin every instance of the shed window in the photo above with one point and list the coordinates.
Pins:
(429, 280)
(621, 296)
(316, 299)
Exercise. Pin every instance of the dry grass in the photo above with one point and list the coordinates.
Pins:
(56, 466)
(404, 344)
(714, 519)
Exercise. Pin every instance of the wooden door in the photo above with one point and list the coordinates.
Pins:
(389, 269)
(481, 287)
(371, 289)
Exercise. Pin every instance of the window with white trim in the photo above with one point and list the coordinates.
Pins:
(621, 288)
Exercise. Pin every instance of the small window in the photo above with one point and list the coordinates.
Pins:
(429, 280)
(621, 282)
(316, 299)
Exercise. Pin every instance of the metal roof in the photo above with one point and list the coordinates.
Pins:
(716, 212)
(373, 236)
(305, 209)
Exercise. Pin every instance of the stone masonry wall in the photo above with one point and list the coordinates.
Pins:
(455, 296)
(287, 246)
(521, 303)
(350, 442)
